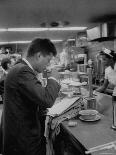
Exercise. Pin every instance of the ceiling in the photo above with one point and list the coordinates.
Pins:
(35, 13)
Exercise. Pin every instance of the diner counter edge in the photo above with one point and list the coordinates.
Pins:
(86, 135)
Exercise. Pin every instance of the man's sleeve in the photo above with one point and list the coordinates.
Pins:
(32, 89)
(1, 86)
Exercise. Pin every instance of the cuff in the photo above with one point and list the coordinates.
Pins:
(53, 79)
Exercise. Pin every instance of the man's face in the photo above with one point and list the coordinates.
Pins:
(42, 62)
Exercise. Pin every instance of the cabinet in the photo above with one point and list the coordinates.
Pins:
(66, 144)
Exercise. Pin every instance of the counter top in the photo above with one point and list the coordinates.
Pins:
(92, 134)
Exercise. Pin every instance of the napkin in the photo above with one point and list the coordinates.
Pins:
(62, 106)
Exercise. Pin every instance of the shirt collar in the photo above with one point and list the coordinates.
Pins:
(27, 62)
(4, 71)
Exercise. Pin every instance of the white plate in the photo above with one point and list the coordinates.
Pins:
(66, 81)
(77, 84)
(67, 92)
(98, 117)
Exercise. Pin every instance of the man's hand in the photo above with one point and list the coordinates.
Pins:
(55, 74)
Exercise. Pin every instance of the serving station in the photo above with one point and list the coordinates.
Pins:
(94, 137)
(78, 133)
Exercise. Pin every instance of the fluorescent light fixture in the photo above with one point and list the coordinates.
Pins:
(3, 30)
(59, 40)
(3, 43)
(19, 42)
(15, 42)
(46, 29)
(43, 29)
(67, 29)
(25, 42)
(71, 39)
(27, 29)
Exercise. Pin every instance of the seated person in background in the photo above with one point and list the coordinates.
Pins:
(6, 65)
(15, 58)
(109, 60)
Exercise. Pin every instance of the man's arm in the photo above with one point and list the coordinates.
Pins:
(1, 86)
(31, 88)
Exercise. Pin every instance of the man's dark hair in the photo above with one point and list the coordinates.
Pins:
(44, 46)
(5, 62)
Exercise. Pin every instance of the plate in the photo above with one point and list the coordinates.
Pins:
(66, 81)
(67, 92)
(98, 117)
(77, 84)
(87, 112)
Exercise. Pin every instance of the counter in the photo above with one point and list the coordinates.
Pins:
(86, 135)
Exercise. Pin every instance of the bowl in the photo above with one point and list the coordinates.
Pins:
(88, 114)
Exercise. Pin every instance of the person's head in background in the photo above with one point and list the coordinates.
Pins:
(14, 58)
(39, 53)
(108, 57)
(6, 64)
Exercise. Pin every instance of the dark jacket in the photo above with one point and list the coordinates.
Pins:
(2, 84)
(25, 101)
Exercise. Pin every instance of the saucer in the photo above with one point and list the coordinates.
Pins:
(98, 117)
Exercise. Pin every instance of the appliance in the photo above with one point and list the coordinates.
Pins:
(82, 63)
(102, 32)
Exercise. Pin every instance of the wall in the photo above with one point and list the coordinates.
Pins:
(59, 47)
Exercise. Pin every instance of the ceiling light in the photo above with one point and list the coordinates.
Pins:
(25, 42)
(59, 23)
(14, 42)
(57, 40)
(3, 30)
(71, 39)
(3, 43)
(27, 29)
(43, 29)
(46, 29)
(67, 29)
(19, 42)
